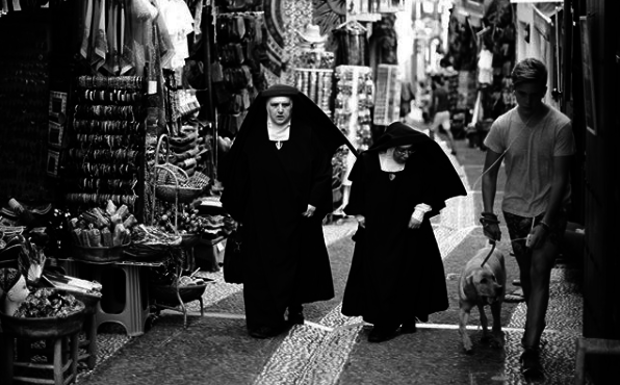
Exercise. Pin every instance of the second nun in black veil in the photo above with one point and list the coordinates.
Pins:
(397, 274)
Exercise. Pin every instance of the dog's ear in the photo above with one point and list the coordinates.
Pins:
(470, 278)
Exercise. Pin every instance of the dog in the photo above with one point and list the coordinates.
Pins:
(482, 283)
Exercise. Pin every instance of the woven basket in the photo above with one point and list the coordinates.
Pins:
(148, 252)
(43, 328)
(166, 294)
(171, 181)
(99, 254)
(198, 180)
(171, 192)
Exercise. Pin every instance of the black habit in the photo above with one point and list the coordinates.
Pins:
(397, 273)
(284, 257)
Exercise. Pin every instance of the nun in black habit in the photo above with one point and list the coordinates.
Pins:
(278, 186)
(397, 273)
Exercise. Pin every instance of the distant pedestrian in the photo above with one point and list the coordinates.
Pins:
(536, 142)
(397, 273)
(278, 186)
(440, 110)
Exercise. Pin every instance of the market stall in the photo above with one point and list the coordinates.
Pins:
(110, 184)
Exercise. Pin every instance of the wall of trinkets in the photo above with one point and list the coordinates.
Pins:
(354, 101)
(118, 263)
(106, 151)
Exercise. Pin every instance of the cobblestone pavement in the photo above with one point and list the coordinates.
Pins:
(331, 349)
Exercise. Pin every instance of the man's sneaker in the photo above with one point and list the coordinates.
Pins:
(530, 364)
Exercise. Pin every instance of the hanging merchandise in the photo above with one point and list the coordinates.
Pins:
(387, 99)
(105, 158)
(314, 74)
(355, 95)
(485, 67)
(237, 75)
(352, 44)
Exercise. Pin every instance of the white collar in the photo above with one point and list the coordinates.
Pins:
(388, 164)
(278, 133)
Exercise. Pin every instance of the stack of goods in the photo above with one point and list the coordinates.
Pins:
(100, 234)
(194, 219)
(48, 303)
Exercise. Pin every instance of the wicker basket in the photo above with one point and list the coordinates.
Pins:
(140, 252)
(43, 328)
(172, 184)
(166, 294)
(172, 192)
(99, 254)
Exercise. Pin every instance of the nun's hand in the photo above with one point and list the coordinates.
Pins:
(416, 219)
(361, 220)
(309, 211)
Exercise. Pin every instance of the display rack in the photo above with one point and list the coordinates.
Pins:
(316, 83)
(106, 148)
(352, 114)
(387, 98)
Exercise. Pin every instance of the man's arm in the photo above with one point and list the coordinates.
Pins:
(492, 162)
(490, 223)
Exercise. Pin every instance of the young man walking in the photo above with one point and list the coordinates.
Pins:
(535, 141)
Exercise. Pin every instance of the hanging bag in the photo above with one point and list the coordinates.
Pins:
(233, 258)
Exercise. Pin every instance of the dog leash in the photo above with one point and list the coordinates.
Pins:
(489, 255)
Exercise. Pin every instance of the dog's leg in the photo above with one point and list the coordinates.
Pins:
(484, 321)
(496, 310)
(463, 318)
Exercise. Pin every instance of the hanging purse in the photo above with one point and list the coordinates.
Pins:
(233, 258)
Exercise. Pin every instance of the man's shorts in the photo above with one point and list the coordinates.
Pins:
(442, 119)
(519, 227)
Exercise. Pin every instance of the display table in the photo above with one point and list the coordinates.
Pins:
(125, 298)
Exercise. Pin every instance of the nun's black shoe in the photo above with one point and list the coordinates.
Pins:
(380, 333)
(408, 328)
(296, 318)
(263, 332)
(295, 315)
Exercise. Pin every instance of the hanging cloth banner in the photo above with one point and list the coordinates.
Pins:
(543, 24)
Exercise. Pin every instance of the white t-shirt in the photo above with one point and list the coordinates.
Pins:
(532, 146)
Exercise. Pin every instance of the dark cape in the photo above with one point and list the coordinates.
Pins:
(397, 273)
(284, 257)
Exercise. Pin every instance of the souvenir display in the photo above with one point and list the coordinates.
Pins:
(354, 101)
(105, 158)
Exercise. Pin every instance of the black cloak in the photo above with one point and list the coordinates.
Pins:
(397, 273)
(284, 257)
